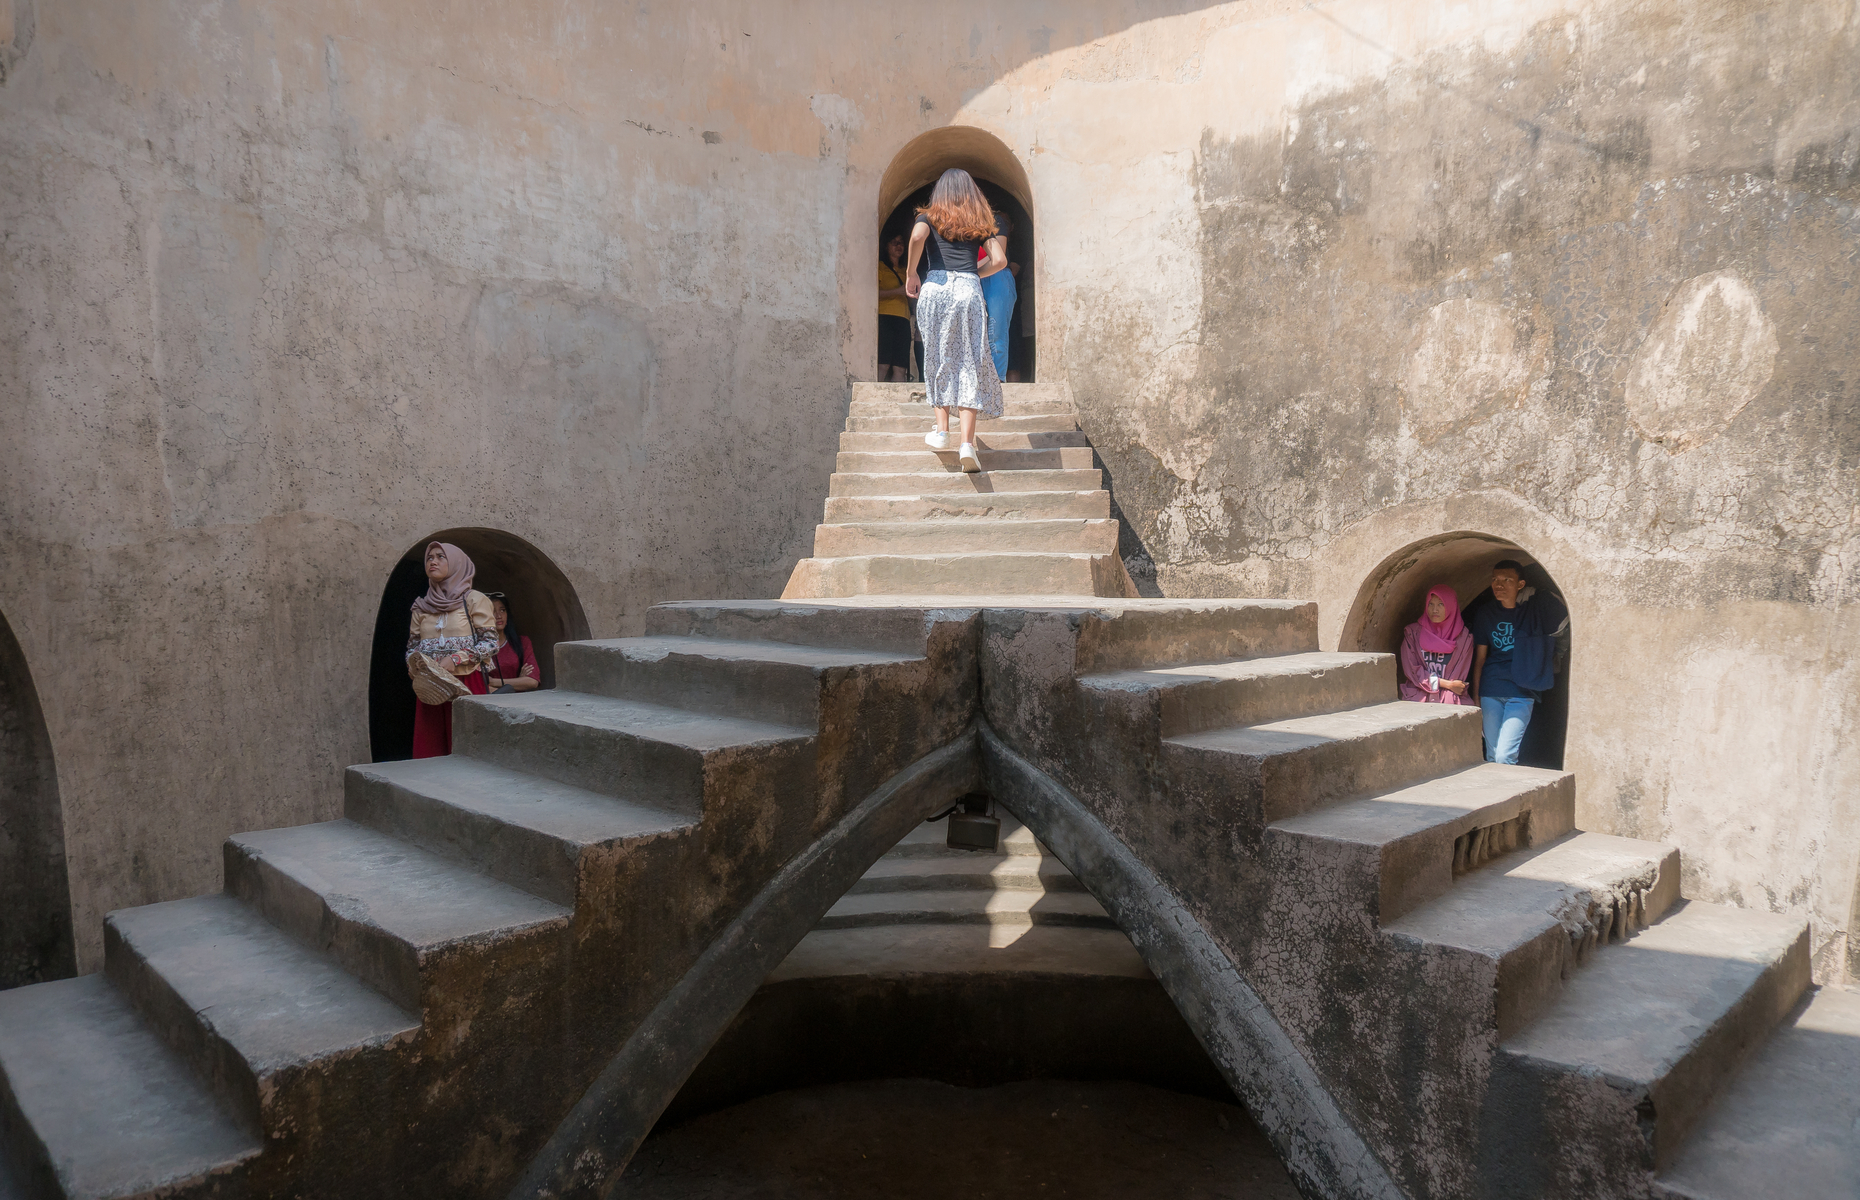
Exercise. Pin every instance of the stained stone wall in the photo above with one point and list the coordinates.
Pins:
(1581, 280)
(286, 287)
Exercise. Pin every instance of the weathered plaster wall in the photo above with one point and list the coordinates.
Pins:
(1341, 278)
(287, 287)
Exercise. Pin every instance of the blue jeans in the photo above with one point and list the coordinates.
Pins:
(999, 293)
(1504, 726)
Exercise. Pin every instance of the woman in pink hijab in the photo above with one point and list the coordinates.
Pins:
(453, 633)
(1436, 652)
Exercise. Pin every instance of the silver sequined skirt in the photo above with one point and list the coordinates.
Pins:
(959, 371)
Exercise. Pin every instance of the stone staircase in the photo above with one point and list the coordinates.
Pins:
(903, 519)
(924, 902)
(405, 1001)
(967, 967)
(1506, 1006)
(410, 999)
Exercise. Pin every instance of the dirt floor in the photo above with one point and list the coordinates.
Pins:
(904, 1139)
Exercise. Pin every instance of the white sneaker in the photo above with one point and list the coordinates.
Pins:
(970, 463)
(937, 439)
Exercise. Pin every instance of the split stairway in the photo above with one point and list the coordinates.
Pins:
(409, 1000)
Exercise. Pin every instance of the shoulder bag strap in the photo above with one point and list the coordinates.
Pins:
(472, 637)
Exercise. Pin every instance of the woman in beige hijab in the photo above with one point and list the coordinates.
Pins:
(452, 637)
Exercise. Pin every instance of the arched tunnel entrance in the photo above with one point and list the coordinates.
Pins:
(1392, 595)
(959, 1020)
(36, 942)
(542, 603)
(906, 185)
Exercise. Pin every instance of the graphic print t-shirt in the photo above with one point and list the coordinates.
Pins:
(1496, 628)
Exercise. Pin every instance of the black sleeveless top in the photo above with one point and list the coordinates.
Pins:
(941, 254)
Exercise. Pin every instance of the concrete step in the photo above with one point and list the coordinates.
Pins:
(1202, 696)
(925, 460)
(650, 754)
(1625, 1062)
(966, 907)
(263, 1018)
(973, 537)
(1135, 633)
(1016, 397)
(527, 831)
(972, 506)
(985, 440)
(1788, 1123)
(779, 682)
(1292, 766)
(1528, 919)
(968, 949)
(1004, 574)
(901, 631)
(960, 870)
(97, 1106)
(938, 482)
(388, 911)
(1395, 851)
(921, 419)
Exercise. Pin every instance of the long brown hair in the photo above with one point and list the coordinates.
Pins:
(958, 209)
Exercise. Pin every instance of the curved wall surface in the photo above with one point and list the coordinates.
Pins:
(288, 286)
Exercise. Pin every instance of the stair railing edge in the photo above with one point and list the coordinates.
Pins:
(594, 1142)
(1278, 1085)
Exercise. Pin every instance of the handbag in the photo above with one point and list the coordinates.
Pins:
(432, 683)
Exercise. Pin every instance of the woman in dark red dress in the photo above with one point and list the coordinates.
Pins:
(515, 665)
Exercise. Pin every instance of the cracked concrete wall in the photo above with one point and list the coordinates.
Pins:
(287, 287)
(1339, 278)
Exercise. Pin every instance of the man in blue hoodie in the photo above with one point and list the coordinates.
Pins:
(1513, 659)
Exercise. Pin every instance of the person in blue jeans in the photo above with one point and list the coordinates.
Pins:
(1496, 629)
(1000, 293)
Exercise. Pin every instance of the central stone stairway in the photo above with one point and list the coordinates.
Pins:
(905, 520)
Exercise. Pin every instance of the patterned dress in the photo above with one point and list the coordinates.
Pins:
(959, 371)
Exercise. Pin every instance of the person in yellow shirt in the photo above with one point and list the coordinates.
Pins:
(894, 315)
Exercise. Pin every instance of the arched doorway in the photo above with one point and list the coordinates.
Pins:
(35, 896)
(1391, 597)
(907, 183)
(543, 606)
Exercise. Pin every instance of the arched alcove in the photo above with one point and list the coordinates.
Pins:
(915, 169)
(1391, 597)
(36, 941)
(543, 607)
(927, 156)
